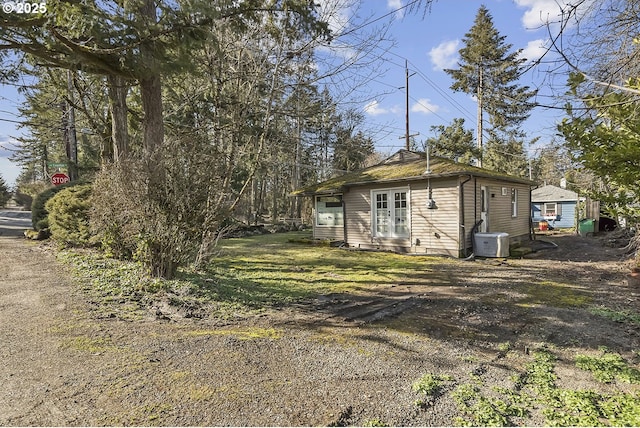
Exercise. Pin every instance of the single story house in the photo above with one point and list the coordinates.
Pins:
(556, 205)
(410, 204)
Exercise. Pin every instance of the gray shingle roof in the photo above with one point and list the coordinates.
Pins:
(550, 193)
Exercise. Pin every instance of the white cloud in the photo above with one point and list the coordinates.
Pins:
(8, 146)
(395, 5)
(373, 108)
(542, 12)
(539, 12)
(445, 55)
(424, 105)
(534, 50)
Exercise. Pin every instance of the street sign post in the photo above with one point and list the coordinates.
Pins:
(56, 165)
(59, 178)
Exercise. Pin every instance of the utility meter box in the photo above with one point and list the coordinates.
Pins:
(494, 244)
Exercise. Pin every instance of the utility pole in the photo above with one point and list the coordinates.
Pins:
(406, 78)
(479, 137)
(406, 85)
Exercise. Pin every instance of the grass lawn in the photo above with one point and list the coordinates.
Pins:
(270, 269)
(251, 274)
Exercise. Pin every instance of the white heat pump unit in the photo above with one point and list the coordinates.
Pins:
(491, 244)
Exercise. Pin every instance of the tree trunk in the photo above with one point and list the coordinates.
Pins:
(162, 263)
(151, 85)
(151, 91)
(72, 141)
(118, 89)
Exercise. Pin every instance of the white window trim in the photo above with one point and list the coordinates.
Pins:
(514, 202)
(390, 191)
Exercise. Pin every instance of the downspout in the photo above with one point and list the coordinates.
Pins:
(532, 235)
(476, 224)
(475, 199)
(462, 225)
(344, 221)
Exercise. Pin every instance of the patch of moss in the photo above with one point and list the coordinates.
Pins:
(252, 333)
(402, 170)
(554, 294)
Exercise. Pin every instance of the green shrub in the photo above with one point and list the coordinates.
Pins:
(42, 224)
(69, 215)
(38, 210)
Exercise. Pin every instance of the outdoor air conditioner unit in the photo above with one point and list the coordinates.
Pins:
(491, 244)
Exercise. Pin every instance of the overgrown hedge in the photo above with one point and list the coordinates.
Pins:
(69, 215)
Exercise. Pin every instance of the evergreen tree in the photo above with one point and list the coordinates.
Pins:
(505, 153)
(46, 112)
(453, 142)
(351, 147)
(489, 70)
(5, 194)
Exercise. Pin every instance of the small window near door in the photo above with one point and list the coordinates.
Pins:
(514, 202)
(329, 211)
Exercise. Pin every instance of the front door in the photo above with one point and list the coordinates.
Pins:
(484, 208)
(390, 213)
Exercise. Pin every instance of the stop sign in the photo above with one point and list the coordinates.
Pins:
(59, 178)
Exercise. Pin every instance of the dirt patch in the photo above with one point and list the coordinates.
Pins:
(336, 360)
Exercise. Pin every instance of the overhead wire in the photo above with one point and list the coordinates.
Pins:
(454, 103)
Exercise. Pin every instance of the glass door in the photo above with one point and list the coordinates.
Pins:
(382, 214)
(390, 213)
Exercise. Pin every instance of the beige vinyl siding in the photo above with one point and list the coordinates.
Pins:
(500, 219)
(435, 231)
(328, 232)
(358, 216)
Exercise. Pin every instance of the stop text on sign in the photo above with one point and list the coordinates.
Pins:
(59, 178)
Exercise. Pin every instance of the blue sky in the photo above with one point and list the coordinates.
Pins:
(429, 42)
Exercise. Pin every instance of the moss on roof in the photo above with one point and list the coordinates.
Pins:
(402, 171)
